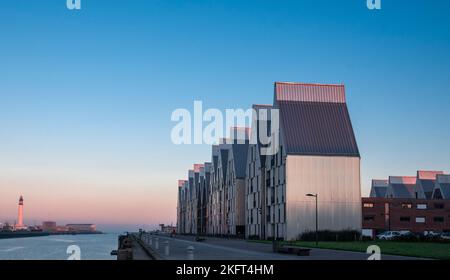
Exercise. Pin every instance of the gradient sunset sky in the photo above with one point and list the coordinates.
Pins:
(86, 96)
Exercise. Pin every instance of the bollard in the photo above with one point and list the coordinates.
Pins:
(166, 248)
(190, 253)
(157, 243)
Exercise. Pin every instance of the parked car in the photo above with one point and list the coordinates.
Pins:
(431, 234)
(388, 235)
(445, 235)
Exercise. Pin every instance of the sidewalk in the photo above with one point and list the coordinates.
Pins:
(236, 249)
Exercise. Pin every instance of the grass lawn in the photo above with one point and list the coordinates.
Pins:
(412, 249)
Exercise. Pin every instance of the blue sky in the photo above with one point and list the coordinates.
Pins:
(86, 96)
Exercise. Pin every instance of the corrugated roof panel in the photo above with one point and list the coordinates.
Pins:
(208, 167)
(428, 175)
(224, 157)
(380, 183)
(445, 190)
(380, 191)
(403, 190)
(197, 167)
(443, 179)
(309, 92)
(407, 180)
(240, 152)
(262, 130)
(317, 128)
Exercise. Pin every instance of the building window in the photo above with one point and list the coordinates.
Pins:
(368, 205)
(439, 205)
(438, 219)
(420, 220)
(369, 218)
(406, 205)
(422, 206)
(405, 219)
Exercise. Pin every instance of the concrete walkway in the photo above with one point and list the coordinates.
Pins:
(235, 249)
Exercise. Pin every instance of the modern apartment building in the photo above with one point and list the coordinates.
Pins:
(218, 196)
(265, 195)
(255, 183)
(404, 214)
(235, 186)
(318, 154)
(413, 203)
(203, 198)
(181, 206)
(422, 186)
(213, 194)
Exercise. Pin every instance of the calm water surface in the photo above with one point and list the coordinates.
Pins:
(54, 247)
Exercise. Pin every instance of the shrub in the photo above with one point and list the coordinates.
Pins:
(253, 237)
(328, 235)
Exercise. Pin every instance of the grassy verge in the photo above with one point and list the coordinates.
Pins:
(412, 249)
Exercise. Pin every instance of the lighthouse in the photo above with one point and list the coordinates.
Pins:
(20, 215)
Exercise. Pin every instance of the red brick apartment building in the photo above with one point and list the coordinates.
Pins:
(416, 215)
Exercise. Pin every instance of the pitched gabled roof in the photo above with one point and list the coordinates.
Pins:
(197, 167)
(379, 188)
(402, 186)
(426, 182)
(208, 167)
(378, 192)
(224, 158)
(240, 152)
(427, 187)
(317, 128)
(180, 183)
(445, 190)
(215, 156)
(314, 119)
(262, 129)
(238, 134)
(443, 184)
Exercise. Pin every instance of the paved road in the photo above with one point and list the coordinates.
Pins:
(232, 249)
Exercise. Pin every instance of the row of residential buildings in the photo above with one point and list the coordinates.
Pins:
(425, 185)
(247, 191)
(416, 203)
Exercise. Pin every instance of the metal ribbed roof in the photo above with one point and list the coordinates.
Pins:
(403, 190)
(445, 190)
(240, 158)
(379, 188)
(285, 91)
(428, 175)
(380, 191)
(224, 161)
(317, 128)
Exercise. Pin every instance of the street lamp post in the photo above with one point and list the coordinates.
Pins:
(317, 217)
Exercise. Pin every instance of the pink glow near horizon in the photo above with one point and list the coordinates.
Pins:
(78, 202)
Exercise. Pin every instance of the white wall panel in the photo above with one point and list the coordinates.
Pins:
(336, 180)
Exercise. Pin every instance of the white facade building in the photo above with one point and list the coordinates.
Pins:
(265, 196)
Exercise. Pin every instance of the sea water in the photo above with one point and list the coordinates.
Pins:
(54, 247)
